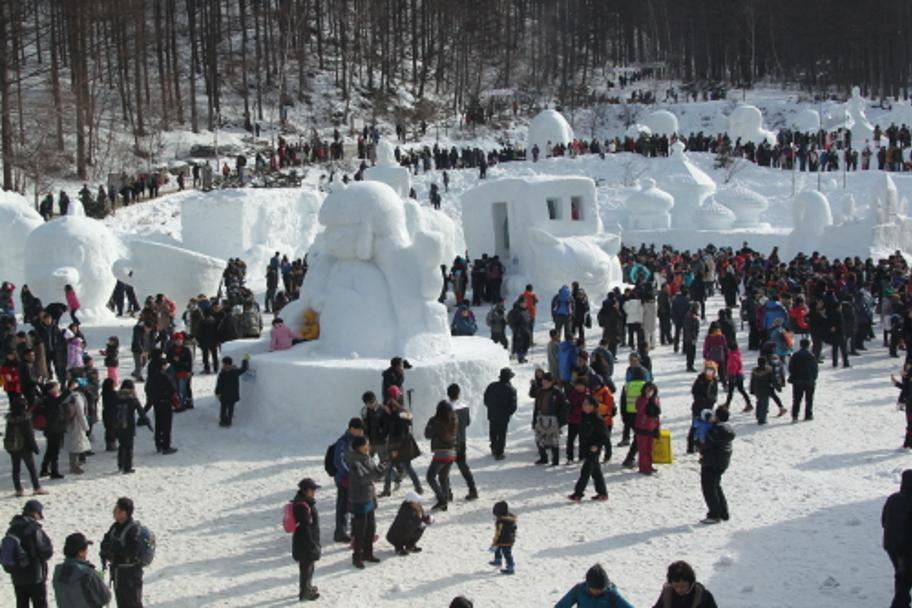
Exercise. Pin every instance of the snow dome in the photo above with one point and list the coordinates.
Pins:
(806, 120)
(746, 124)
(17, 220)
(78, 251)
(647, 208)
(686, 183)
(746, 204)
(712, 215)
(662, 122)
(388, 171)
(547, 130)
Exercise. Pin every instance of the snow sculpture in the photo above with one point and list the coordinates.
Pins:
(159, 268)
(747, 206)
(548, 126)
(388, 171)
(746, 124)
(635, 130)
(374, 286)
(662, 122)
(806, 120)
(647, 208)
(547, 231)
(811, 218)
(856, 121)
(78, 251)
(686, 183)
(713, 216)
(17, 220)
(421, 219)
(901, 114)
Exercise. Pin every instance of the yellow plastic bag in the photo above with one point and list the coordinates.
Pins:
(661, 448)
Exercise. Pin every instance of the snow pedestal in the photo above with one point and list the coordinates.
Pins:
(746, 124)
(647, 209)
(662, 122)
(548, 129)
(747, 206)
(78, 251)
(547, 230)
(686, 183)
(17, 220)
(388, 171)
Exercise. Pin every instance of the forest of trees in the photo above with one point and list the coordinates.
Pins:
(66, 66)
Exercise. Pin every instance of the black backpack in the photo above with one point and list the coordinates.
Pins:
(329, 460)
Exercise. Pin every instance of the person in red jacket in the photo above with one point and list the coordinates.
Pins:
(734, 377)
(647, 426)
(9, 373)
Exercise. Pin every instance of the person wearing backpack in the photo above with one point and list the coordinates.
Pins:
(228, 388)
(76, 582)
(24, 553)
(123, 550)
(305, 544)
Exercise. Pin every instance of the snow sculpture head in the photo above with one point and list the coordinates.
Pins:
(73, 250)
(548, 126)
(17, 221)
(662, 122)
(374, 285)
(386, 154)
(388, 171)
(746, 123)
(647, 209)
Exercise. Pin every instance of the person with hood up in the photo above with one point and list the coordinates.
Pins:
(463, 322)
(408, 526)
(310, 327)
(896, 520)
(504, 537)
(562, 311)
(681, 589)
(363, 471)
(76, 581)
(715, 456)
(496, 320)
(305, 542)
(30, 579)
(646, 427)
(597, 591)
(500, 400)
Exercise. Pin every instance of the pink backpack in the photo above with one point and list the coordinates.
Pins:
(289, 523)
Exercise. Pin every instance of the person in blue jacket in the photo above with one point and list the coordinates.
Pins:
(562, 312)
(343, 447)
(773, 310)
(596, 592)
(566, 360)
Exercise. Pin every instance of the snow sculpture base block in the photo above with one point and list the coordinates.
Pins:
(294, 389)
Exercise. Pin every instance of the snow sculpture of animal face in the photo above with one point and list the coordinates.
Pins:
(73, 250)
(586, 259)
(369, 279)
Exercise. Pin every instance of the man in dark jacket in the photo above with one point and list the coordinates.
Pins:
(76, 582)
(305, 544)
(897, 524)
(394, 375)
(500, 400)
(715, 458)
(228, 388)
(159, 393)
(30, 580)
(341, 449)
(680, 305)
(141, 346)
(803, 377)
(120, 549)
(463, 420)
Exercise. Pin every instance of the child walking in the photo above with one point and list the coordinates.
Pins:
(504, 537)
(228, 388)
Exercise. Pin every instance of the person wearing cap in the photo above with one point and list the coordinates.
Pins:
(30, 580)
(340, 460)
(681, 589)
(77, 584)
(500, 400)
(597, 591)
(120, 549)
(305, 544)
(409, 525)
(896, 520)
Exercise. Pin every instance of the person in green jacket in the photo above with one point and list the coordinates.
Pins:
(597, 591)
(77, 584)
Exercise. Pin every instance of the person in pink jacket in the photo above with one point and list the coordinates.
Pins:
(72, 302)
(715, 348)
(281, 337)
(647, 425)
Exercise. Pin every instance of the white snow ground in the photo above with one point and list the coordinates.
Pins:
(805, 502)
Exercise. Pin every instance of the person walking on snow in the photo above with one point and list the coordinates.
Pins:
(896, 520)
(593, 436)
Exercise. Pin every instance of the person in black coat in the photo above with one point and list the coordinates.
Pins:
(305, 543)
(803, 378)
(705, 391)
(228, 388)
(30, 581)
(208, 340)
(409, 525)
(682, 590)
(500, 400)
(715, 458)
(394, 375)
(592, 437)
(896, 520)
(159, 394)
(126, 408)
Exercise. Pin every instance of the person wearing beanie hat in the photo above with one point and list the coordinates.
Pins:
(409, 525)
(30, 581)
(597, 591)
(305, 542)
(504, 537)
(461, 601)
(76, 581)
(500, 400)
(897, 539)
(341, 448)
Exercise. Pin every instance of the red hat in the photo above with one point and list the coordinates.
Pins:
(393, 392)
(178, 335)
